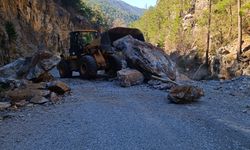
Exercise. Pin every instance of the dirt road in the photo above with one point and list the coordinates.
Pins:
(102, 115)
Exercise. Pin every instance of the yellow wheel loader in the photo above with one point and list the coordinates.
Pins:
(91, 51)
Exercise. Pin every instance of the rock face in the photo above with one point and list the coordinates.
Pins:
(38, 24)
(185, 94)
(129, 77)
(148, 59)
(224, 64)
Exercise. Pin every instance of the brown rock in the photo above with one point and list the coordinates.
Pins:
(18, 95)
(185, 94)
(27, 93)
(43, 93)
(45, 77)
(39, 100)
(21, 103)
(246, 71)
(58, 87)
(129, 77)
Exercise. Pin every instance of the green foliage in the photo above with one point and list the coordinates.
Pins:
(95, 16)
(11, 31)
(113, 10)
(165, 24)
(245, 8)
(72, 3)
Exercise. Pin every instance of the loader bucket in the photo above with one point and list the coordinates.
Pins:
(114, 34)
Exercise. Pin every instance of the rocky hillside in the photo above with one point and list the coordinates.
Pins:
(27, 26)
(117, 12)
(181, 28)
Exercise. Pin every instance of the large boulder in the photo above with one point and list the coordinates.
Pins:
(145, 57)
(35, 68)
(10, 70)
(39, 66)
(129, 77)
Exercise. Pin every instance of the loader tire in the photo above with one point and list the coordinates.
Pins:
(114, 64)
(88, 67)
(64, 69)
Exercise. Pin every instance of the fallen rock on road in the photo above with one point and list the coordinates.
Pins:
(129, 77)
(182, 94)
(58, 87)
(146, 58)
(35, 68)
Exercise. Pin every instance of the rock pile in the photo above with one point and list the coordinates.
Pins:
(34, 93)
(27, 80)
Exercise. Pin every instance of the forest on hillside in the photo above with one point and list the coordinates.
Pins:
(181, 25)
(111, 13)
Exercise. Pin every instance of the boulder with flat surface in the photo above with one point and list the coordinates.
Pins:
(129, 77)
(148, 59)
(35, 68)
(39, 100)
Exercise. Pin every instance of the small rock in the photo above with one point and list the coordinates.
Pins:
(53, 97)
(39, 100)
(129, 77)
(21, 103)
(4, 105)
(185, 94)
(6, 116)
(154, 82)
(164, 86)
(43, 93)
(58, 87)
(30, 105)
(244, 111)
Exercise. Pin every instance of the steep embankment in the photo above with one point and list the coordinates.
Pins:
(36, 24)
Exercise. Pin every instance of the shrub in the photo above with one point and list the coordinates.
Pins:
(11, 31)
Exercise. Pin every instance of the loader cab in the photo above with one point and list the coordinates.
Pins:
(80, 39)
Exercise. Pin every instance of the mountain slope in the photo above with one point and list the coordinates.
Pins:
(117, 12)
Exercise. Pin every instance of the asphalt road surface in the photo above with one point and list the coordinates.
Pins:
(100, 115)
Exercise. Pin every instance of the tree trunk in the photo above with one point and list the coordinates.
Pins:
(208, 31)
(239, 30)
(231, 22)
